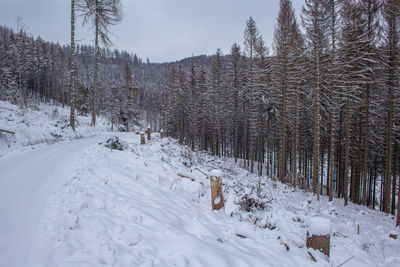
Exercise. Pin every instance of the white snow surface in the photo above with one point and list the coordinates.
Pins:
(27, 182)
(216, 173)
(319, 226)
(78, 203)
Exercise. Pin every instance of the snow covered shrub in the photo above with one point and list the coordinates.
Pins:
(249, 203)
(115, 143)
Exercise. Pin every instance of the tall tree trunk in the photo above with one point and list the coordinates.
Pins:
(295, 140)
(389, 147)
(72, 68)
(316, 136)
(330, 154)
(339, 153)
(374, 193)
(393, 10)
(365, 172)
(235, 126)
(322, 168)
(251, 115)
(393, 204)
(332, 113)
(282, 136)
(96, 65)
(260, 154)
(398, 202)
(347, 152)
(358, 164)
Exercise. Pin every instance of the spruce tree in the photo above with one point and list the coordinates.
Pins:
(285, 46)
(235, 83)
(251, 37)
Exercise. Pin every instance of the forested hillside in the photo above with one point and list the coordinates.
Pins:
(32, 68)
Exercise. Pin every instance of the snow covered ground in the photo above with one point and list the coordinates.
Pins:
(79, 203)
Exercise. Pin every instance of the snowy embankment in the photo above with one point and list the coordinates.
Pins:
(41, 124)
(131, 208)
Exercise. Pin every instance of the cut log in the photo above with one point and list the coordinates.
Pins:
(217, 200)
(394, 236)
(318, 234)
(319, 242)
(142, 139)
(148, 133)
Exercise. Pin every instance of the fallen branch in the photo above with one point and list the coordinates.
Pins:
(345, 261)
(312, 257)
(7, 131)
(184, 176)
(286, 246)
(242, 236)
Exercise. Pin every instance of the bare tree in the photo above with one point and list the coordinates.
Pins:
(102, 13)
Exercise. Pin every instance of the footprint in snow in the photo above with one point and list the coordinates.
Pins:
(133, 239)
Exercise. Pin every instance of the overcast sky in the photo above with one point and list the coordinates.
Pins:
(161, 30)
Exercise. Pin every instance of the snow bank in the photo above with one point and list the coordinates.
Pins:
(319, 226)
(43, 124)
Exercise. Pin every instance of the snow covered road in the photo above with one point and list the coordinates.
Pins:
(27, 180)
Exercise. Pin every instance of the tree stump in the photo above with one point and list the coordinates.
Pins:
(394, 236)
(161, 134)
(142, 139)
(148, 133)
(318, 234)
(217, 200)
